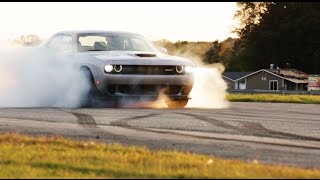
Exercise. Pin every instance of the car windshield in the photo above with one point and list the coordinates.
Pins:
(113, 42)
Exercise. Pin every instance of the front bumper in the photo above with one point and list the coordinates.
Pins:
(147, 79)
(176, 87)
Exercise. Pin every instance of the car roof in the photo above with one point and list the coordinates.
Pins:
(75, 32)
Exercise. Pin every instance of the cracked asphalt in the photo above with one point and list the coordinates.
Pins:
(273, 133)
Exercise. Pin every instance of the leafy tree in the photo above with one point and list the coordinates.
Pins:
(27, 40)
(208, 52)
(280, 33)
(30, 40)
(212, 55)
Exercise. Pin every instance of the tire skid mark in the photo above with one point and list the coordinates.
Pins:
(214, 138)
(216, 123)
(252, 128)
(125, 122)
(88, 122)
(260, 130)
(28, 119)
(220, 138)
(85, 120)
(20, 117)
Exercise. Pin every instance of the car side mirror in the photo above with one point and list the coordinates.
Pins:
(163, 50)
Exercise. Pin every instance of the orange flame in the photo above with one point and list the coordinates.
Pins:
(158, 104)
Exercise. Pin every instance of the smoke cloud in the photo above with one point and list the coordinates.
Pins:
(33, 78)
(30, 77)
(209, 89)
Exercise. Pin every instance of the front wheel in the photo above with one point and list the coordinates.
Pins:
(87, 99)
(177, 103)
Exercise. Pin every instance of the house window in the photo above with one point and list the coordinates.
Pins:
(264, 78)
(273, 84)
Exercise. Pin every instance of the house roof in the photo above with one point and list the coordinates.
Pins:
(292, 75)
(235, 75)
(297, 81)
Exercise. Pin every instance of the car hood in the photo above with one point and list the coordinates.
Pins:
(135, 58)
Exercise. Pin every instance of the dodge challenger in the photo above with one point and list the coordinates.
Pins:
(122, 66)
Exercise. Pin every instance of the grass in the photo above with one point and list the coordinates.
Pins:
(306, 99)
(57, 157)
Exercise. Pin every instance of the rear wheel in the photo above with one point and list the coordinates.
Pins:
(177, 103)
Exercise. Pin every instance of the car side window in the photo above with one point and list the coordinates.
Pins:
(52, 43)
(61, 43)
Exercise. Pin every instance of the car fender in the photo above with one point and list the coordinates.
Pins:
(97, 74)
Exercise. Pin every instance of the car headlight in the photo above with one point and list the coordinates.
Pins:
(179, 69)
(117, 68)
(108, 68)
(188, 69)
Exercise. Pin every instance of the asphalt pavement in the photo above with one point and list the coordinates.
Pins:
(273, 133)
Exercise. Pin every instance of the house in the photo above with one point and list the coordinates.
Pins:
(230, 77)
(270, 79)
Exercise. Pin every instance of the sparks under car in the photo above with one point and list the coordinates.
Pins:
(122, 66)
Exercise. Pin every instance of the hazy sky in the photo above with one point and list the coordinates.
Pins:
(173, 21)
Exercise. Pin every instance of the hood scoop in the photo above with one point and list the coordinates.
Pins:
(146, 55)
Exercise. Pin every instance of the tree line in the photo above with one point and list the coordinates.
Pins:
(280, 33)
(27, 40)
(285, 34)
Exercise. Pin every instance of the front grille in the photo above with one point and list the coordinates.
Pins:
(143, 89)
(147, 70)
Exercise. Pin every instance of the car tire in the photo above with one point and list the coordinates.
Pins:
(173, 104)
(88, 99)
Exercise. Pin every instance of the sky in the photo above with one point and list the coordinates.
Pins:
(202, 21)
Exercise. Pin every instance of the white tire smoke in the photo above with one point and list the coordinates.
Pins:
(29, 78)
(209, 89)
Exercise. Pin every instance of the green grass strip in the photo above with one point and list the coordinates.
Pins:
(278, 98)
(57, 157)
